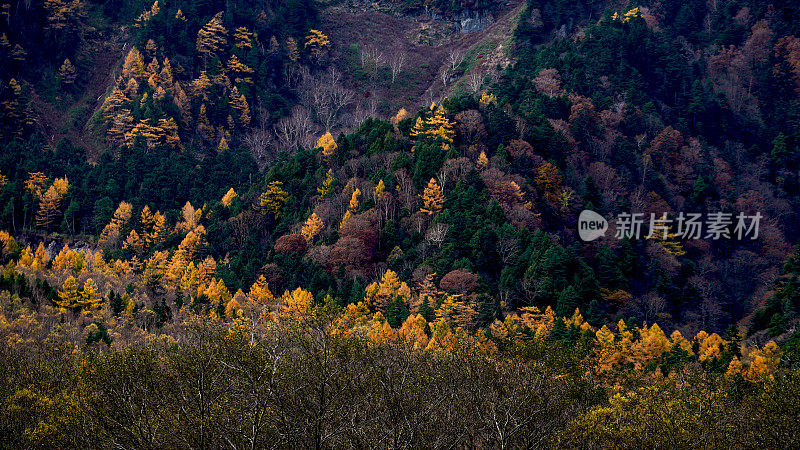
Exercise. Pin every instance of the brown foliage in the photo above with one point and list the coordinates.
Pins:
(470, 127)
(358, 239)
(291, 243)
(459, 281)
(517, 148)
(274, 276)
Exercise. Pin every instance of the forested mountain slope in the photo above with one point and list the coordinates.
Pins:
(402, 180)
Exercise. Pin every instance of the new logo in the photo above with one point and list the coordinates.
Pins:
(591, 225)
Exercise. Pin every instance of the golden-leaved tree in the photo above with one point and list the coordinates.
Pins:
(317, 43)
(378, 295)
(328, 145)
(311, 228)
(273, 199)
(432, 198)
(325, 189)
(112, 232)
(227, 199)
(212, 37)
(67, 72)
(437, 126)
(50, 203)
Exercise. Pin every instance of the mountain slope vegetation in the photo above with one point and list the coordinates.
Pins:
(258, 186)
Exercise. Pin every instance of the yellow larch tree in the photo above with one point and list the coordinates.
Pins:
(223, 144)
(145, 16)
(311, 228)
(297, 304)
(487, 99)
(483, 161)
(710, 346)
(111, 232)
(679, 341)
(328, 145)
(400, 116)
(317, 43)
(35, 183)
(651, 344)
(134, 242)
(239, 103)
(379, 190)
(233, 308)
(273, 199)
(260, 293)
(428, 294)
(227, 199)
(437, 126)
(240, 72)
(291, 50)
(432, 198)
(112, 103)
(414, 330)
(67, 72)
(456, 313)
(165, 77)
(764, 362)
(325, 189)
(200, 86)
(379, 294)
(90, 301)
(548, 179)
(133, 65)
(735, 367)
(354, 202)
(68, 295)
(243, 38)
(121, 126)
(345, 219)
(212, 37)
(50, 203)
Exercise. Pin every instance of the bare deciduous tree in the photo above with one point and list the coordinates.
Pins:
(455, 58)
(261, 141)
(326, 96)
(371, 59)
(475, 81)
(437, 233)
(396, 63)
(296, 129)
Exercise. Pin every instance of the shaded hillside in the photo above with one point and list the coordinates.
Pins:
(433, 56)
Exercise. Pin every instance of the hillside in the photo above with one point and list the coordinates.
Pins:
(390, 224)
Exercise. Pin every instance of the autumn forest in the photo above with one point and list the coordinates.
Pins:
(351, 224)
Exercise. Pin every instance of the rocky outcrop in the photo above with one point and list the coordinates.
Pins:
(470, 21)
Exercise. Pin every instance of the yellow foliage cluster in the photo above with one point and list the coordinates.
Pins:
(311, 228)
(147, 15)
(432, 198)
(123, 129)
(212, 36)
(325, 189)
(273, 199)
(227, 199)
(111, 232)
(50, 202)
(379, 294)
(437, 126)
(317, 43)
(328, 145)
(628, 16)
(67, 72)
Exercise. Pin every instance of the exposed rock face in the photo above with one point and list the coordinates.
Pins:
(470, 21)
